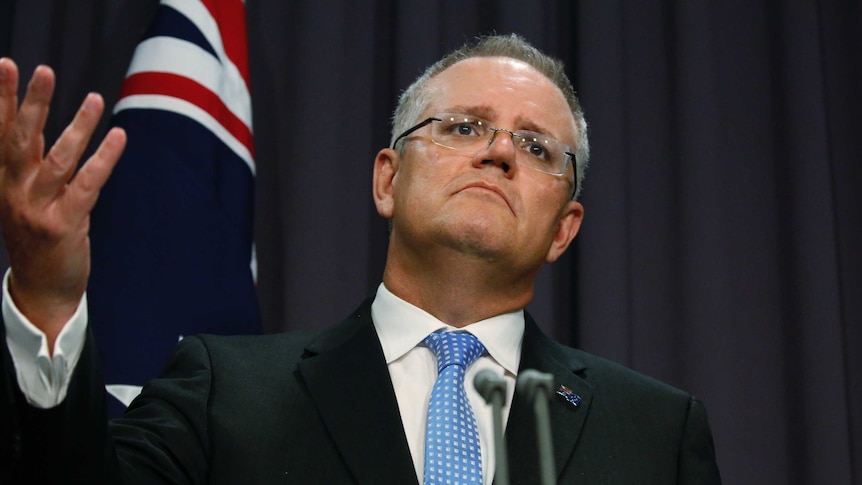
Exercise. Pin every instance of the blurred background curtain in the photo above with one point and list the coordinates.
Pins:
(722, 246)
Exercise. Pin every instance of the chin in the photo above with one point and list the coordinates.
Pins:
(479, 238)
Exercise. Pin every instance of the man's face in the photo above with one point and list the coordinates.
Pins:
(485, 204)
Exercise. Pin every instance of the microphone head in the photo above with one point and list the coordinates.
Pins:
(531, 382)
(488, 382)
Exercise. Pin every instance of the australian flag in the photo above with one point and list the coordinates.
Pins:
(172, 233)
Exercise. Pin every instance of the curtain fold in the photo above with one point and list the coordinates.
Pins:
(720, 249)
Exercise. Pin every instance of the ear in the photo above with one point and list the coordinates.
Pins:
(567, 229)
(385, 167)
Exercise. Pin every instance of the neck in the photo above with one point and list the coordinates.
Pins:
(457, 289)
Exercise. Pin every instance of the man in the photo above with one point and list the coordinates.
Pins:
(480, 185)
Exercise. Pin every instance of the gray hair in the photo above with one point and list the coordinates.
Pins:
(416, 98)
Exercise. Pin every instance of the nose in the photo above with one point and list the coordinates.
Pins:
(500, 154)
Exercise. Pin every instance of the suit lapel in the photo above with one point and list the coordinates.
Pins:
(567, 420)
(349, 382)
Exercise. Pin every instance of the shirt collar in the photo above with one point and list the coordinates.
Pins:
(402, 326)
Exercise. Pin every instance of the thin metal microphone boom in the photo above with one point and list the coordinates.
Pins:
(492, 388)
(537, 387)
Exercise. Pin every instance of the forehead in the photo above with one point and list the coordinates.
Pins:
(507, 91)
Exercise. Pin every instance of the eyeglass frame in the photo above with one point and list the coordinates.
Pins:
(431, 119)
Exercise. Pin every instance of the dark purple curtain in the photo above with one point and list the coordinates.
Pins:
(720, 250)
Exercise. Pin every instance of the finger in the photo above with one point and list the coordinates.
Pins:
(8, 95)
(34, 108)
(84, 189)
(62, 159)
(25, 137)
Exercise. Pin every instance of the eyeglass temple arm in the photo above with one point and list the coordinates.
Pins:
(427, 121)
(575, 169)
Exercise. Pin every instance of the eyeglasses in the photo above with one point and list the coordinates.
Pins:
(470, 134)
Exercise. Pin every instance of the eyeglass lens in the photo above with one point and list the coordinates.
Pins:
(470, 133)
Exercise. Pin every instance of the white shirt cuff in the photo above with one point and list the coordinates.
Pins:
(43, 380)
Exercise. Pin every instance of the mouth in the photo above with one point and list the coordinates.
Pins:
(488, 188)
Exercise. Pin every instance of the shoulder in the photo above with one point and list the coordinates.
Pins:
(278, 347)
(657, 427)
(626, 391)
(623, 399)
(605, 377)
(614, 394)
(262, 355)
(248, 350)
(605, 374)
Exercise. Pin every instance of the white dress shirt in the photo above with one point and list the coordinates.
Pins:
(43, 380)
(402, 327)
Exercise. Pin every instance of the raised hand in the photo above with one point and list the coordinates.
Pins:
(45, 203)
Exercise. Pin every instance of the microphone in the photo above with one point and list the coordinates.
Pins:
(492, 388)
(537, 387)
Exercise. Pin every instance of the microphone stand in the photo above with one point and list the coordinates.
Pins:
(537, 387)
(492, 388)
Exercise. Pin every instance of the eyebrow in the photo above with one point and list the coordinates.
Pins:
(531, 126)
(482, 111)
(487, 112)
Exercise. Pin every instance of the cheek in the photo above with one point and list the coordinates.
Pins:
(417, 178)
(431, 172)
(545, 204)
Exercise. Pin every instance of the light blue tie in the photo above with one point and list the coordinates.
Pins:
(452, 451)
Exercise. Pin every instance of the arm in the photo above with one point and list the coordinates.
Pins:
(43, 378)
(44, 203)
(44, 213)
(164, 436)
(68, 443)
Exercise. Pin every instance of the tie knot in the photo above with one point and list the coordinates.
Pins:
(454, 348)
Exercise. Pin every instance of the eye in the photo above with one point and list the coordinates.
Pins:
(460, 126)
(537, 150)
(465, 129)
(538, 147)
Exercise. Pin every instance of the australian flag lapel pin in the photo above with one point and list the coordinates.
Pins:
(568, 395)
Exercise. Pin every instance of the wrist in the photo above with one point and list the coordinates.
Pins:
(48, 311)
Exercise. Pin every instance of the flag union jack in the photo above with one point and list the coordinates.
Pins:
(186, 66)
(172, 240)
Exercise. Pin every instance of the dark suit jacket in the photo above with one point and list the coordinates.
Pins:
(318, 407)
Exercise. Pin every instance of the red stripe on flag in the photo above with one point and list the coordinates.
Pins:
(180, 87)
(230, 17)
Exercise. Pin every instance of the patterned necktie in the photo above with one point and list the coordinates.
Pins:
(452, 451)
